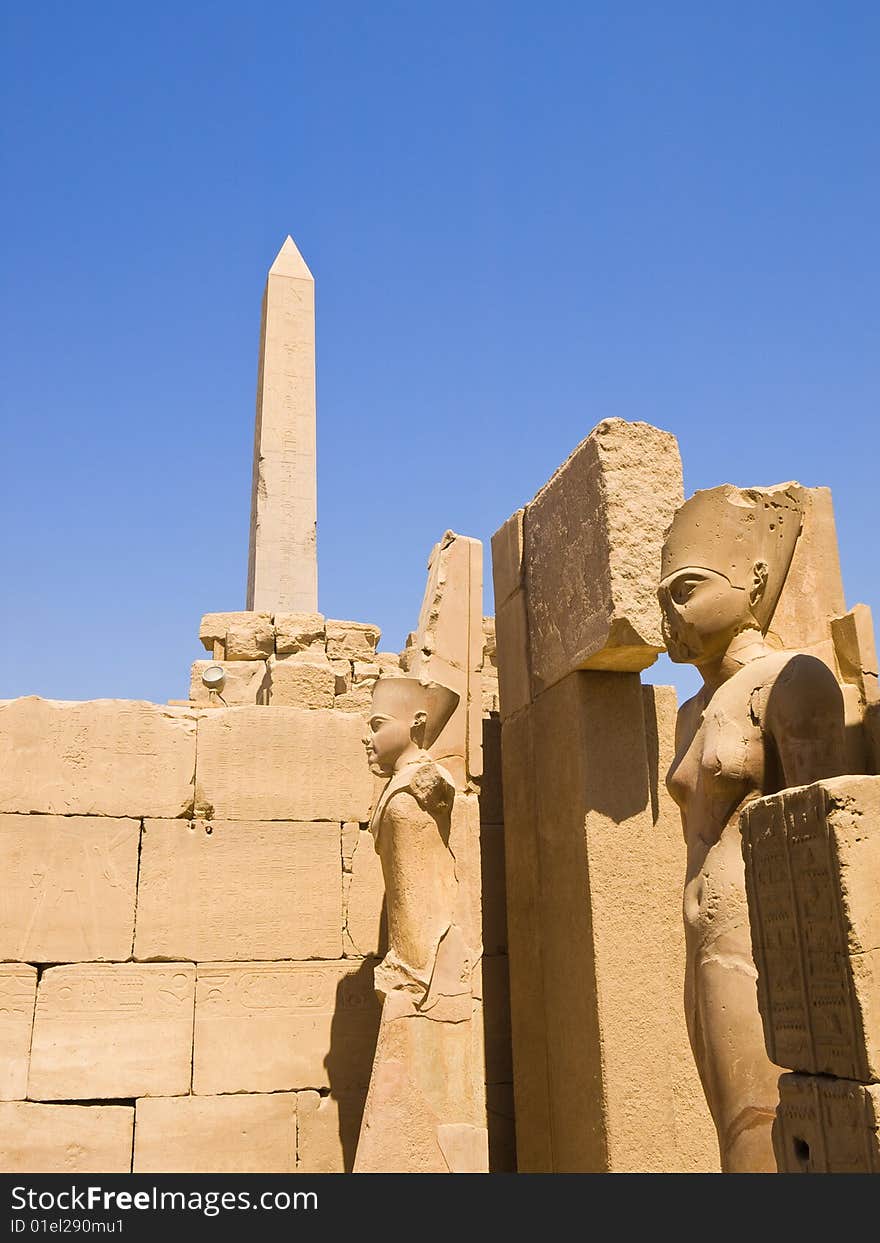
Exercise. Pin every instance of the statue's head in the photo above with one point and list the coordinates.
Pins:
(406, 717)
(724, 564)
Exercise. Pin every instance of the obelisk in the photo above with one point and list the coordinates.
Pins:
(282, 563)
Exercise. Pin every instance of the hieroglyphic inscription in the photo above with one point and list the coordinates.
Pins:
(826, 1126)
(18, 990)
(238, 889)
(69, 886)
(268, 1027)
(287, 764)
(815, 978)
(113, 1031)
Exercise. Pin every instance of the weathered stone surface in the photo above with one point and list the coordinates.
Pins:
(364, 903)
(245, 683)
(302, 681)
(216, 1135)
(104, 757)
(813, 591)
(342, 670)
(826, 1126)
(270, 1027)
(502, 1128)
(299, 632)
(812, 872)
(18, 990)
(69, 887)
(282, 562)
(328, 1128)
(354, 640)
(491, 785)
(112, 1031)
(214, 627)
(250, 637)
(496, 1017)
(593, 536)
(287, 764)
(514, 678)
(356, 699)
(507, 558)
(65, 1139)
(239, 889)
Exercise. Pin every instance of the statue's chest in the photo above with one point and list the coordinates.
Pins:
(721, 761)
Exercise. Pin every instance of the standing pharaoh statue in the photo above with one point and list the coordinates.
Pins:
(422, 1112)
(763, 721)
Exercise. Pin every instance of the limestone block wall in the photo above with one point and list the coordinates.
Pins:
(193, 910)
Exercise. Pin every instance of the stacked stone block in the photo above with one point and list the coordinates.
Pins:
(603, 1075)
(294, 660)
(193, 909)
(812, 858)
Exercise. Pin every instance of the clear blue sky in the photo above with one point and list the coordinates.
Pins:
(521, 218)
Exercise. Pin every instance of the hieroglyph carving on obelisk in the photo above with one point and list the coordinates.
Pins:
(282, 564)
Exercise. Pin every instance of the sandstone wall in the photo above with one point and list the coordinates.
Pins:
(194, 907)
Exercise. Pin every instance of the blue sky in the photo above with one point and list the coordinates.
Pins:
(522, 219)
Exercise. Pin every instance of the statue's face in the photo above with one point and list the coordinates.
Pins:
(386, 740)
(702, 611)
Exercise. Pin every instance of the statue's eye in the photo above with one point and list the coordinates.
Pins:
(683, 588)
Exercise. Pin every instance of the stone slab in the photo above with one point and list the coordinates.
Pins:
(18, 991)
(494, 894)
(275, 1027)
(298, 632)
(112, 1031)
(298, 682)
(216, 1135)
(512, 636)
(812, 874)
(65, 1139)
(507, 558)
(70, 887)
(592, 542)
(251, 636)
(826, 1126)
(245, 683)
(287, 764)
(239, 889)
(350, 639)
(327, 1131)
(103, 757)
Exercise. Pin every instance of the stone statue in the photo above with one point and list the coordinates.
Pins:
(422, 1113)
(763, 721)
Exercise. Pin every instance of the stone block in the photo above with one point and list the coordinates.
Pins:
(216, 1135)
(514, 680)
(299, 632)
(104, 757)
(251, 636)
(357, 699)
(502, 1128)
(328, 1128)
(593, 537)
(812, 873)
(826, 1126)
(112, 1031)
(342, 670)
(496, 1019)
(239, 889)
(491, 786)
(18, 991)
(287, 764)
(302, 681)
(245, 683)
(70, 885)
(274, 1027)
(215, 626)
(65, 1139)
(813, 591)
(353, 640)
(364, 902)
(507, 558)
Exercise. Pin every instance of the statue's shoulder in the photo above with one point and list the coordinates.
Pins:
(425, 782)
(792, 687)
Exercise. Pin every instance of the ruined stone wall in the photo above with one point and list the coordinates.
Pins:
(193, 908)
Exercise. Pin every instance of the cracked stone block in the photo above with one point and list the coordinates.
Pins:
(826, 1126)
(65, 1139)
(18, 991)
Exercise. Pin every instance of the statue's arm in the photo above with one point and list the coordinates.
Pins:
(804, 715)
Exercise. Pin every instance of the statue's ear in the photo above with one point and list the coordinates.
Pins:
(760, 571)
(420, 720)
